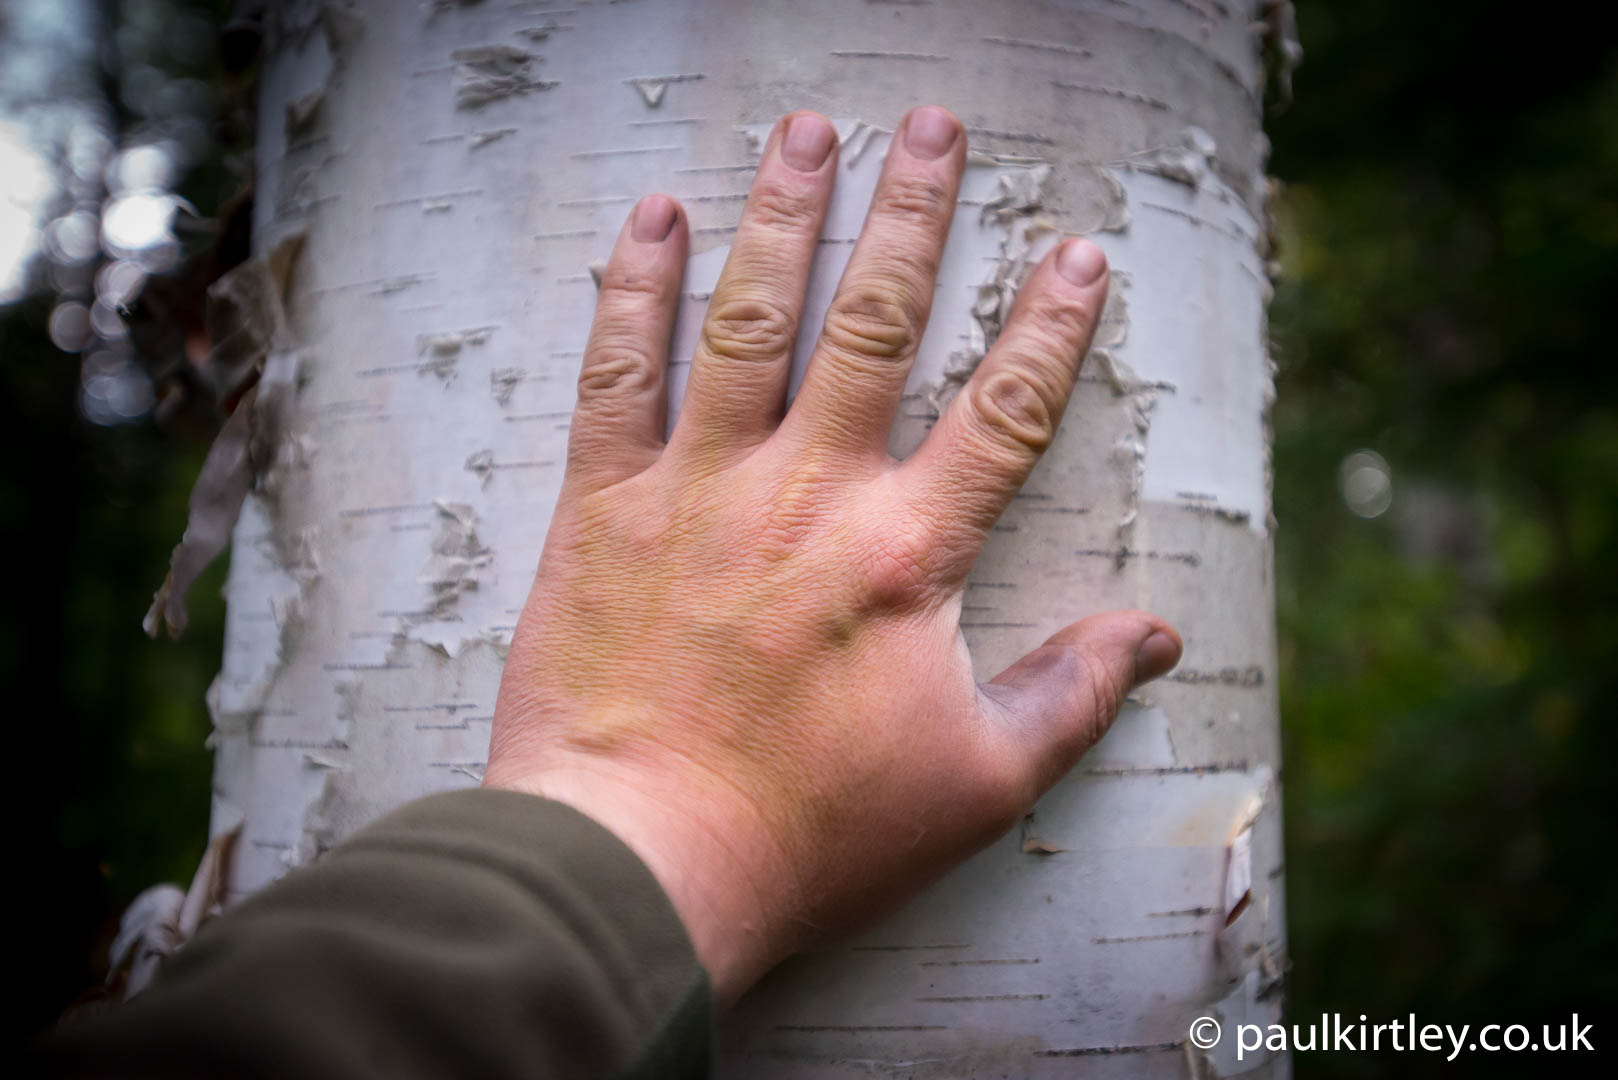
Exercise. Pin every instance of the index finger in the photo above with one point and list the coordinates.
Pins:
(977, 456)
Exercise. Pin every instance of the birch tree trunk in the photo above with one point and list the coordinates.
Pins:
(452, 170)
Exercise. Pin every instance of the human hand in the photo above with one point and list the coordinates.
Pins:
(742, 650)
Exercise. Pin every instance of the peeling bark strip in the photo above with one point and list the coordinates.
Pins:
(162, 918)
(246, 321)
(458, 557)
(489, 72)
(215, 502)
(438, 318)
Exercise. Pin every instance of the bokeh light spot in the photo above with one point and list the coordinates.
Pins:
(70, 326)
(1366, 482)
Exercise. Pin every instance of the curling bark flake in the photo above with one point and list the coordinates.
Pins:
(465, 166)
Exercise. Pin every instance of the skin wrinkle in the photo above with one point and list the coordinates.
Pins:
(871, 322)
(783, 208)
(1011, 404)
(743, 654)
(748, 330)
(615, 372)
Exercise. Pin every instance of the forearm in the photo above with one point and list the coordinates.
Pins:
(481, 932)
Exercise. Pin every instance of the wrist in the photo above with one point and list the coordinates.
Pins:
(712, 875)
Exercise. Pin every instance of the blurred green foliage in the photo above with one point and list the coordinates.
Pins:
(1450, 232)
(112, 776)
(1450, 229)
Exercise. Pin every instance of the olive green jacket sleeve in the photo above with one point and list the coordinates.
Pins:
(479, 933)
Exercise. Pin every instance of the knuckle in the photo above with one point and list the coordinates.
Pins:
(783, 206)
(1107, 693)
(873, 321)
(909, 195)
(632, 287)
(1016, 409)
(1061, 325)
(749, 329)
(897, 573)
(612, 369)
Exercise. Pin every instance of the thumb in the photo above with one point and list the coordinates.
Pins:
(1062, 697)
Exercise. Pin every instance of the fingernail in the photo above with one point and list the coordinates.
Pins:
(1080, 262)
(808, 140)
(654, 219)
(930, 131)
(1156, 656)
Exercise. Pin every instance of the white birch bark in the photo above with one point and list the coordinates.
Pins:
(455, 168)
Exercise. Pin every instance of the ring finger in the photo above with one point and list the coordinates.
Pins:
(744, 352)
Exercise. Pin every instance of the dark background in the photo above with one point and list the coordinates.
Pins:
(1449, 226)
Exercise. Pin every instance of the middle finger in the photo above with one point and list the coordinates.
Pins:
(875, 322)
